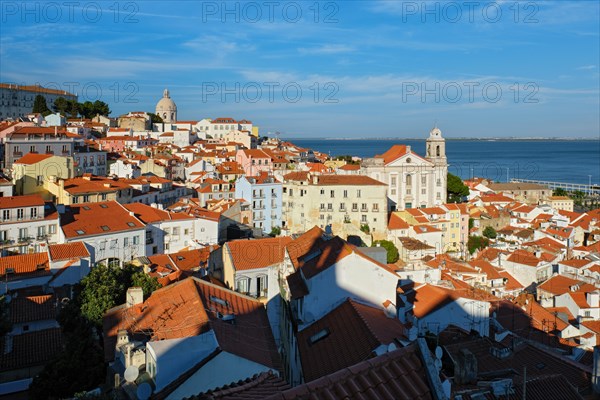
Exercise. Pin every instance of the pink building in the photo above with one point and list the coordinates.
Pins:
(253, 161)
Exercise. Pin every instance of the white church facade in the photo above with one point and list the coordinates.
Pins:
(413, 181)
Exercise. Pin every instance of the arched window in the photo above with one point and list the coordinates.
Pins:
(437, 151)
(408, 180)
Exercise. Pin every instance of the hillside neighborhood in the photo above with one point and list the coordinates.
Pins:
(147, 257)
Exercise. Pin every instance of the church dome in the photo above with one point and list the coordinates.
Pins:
(166, 108)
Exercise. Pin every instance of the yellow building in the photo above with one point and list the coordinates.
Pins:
(30, 171)
(561, 203)
(88, 189)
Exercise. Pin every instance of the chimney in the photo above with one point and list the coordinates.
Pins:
(315, 180)
(465, 368)
(135, 296)
(593, 298)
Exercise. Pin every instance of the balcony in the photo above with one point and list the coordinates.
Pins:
(260, 207)
(25, 239)
(18, 154)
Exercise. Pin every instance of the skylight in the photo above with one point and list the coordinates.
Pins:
(80, 232)
(105, 228)
(130, 224)
(322, 334)
(219, 301)
(86, 208)
(103, 206)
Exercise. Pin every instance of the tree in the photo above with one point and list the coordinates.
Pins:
(155, 118)
(148, 283)
(392, 250)
(456, 189)
(489, 232)
(106, 287)
(101, 108)
(61, 105)
(476, 243)
(39, 105)
(275, 231)
(560, 192)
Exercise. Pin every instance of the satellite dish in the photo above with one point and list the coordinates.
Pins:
(144, 391)
(131, 373)
(391, 347)
(438, 352)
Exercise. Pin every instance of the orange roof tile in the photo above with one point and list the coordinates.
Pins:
(32, 158)
(257, 253)
(21, 201)
(396, 222)
(68, 251)
(25, 264)
(348, 180)
(560, 284)
(104, 218)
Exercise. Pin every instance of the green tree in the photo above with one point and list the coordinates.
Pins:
(476, 243)
(155, 119)
(275, 231)
(489, 232)
(560, 192)
(39, 105)
(148, 283)
(61, 105)
(392, 250)
(471, 223)
(456, 189)
(101, 108)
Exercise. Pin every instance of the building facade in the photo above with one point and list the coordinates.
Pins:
(17, 100)
(413, 181)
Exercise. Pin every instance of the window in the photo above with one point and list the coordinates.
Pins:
(364, 207)
(423, 180)
(23, 233)
(343, 206)
(186, 232)
(329, 206)
(322, 192)
(261, 286)
(242, 285)
(52, 229)
(20, 213)
(32, 149)
(408, 180)
(393, 192)
(5, 214)
(408, 205)
(75, 199)
(354, 206)
(40, 180)
(41, 231)
(393, 181)
(438, 195)
(322, 206)
(587, 313)
(423, 191)
(126, 241)
(345, 193)
(375, 207)
(358, 193)
(332, 194)
(363, 218)
(136, 240)
(86, 198)
(176, 231)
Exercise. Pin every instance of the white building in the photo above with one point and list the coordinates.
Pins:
(413, 181)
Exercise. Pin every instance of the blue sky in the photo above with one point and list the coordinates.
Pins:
(323, 69)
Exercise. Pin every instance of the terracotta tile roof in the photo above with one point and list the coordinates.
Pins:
(94, 184)
(524, 257)
(35, 88)
(393, 153)
(348, 180)
(188, 260)
(399, 374)
(511, 282)
(257, 387)
(32, 308)
(32, 158)
(353, 331)
(350, 167)
(80, 220)
(428, 298)
(25, 264)
(580, 299)
(575, 263)
(396, 222)
(560, 284)
(255, 153)
(67, 251)
(538, 362)
(31, 349)
(257, 253)
(489, 253)
(21, 201)
(496, 198)
(487, 268)
(192, 306)
(297, 176)
(148, 214)
(413, 244)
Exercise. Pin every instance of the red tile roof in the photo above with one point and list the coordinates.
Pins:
(257, 253)
(350, 167)
(21, 201)
(257, 387)
(399, 374)
(89, 219)
(524, 257)
(560, 284)
(192, 310)
(394, 152)
(32, 158)
(396, 222)
(32, 308)
(148, 214)
(348, 180)
(68, 251)
(31, 349)
(25, 264)
(353, 331)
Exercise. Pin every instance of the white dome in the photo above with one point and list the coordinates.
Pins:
(166, 108)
